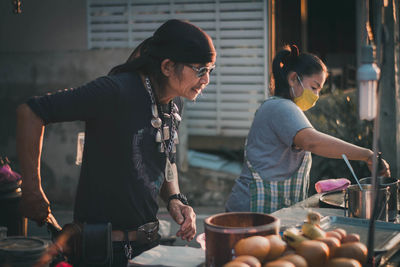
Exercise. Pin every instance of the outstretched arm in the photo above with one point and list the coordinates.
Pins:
(30, 128)
(183, 214)
(331, 147)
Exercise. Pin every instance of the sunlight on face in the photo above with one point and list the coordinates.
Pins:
(313, 82)
(188, 84)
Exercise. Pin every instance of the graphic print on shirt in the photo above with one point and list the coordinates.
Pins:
(147, 170)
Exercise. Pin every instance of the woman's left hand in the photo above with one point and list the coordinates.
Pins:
(184, 216)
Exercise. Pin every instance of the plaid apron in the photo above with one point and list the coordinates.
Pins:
(267, 197)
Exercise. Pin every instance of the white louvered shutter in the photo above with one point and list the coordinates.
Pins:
(238, 29)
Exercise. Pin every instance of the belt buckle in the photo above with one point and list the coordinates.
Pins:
(147, 232)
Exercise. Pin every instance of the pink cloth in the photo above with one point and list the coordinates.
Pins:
(7, 175)
(331, 185)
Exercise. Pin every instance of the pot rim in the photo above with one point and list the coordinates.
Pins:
(242, 230)
(394, 180)
(366, 187)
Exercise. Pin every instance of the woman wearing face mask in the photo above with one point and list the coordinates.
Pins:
(277, 154)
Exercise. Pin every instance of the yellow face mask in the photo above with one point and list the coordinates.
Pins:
(307, 99)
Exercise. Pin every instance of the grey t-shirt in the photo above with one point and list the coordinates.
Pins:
(270, 147)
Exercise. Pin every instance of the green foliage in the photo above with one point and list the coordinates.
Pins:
(336, 114)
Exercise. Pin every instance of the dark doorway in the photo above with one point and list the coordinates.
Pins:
(331, 27)
(331, 34)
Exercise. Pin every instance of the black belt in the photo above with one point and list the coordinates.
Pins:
(146, 233)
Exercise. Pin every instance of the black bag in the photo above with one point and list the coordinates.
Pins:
(96, 244)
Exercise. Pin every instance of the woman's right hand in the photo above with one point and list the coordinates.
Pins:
(35, 206)
(383, 167)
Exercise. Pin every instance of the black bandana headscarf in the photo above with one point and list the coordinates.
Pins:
(177, 40)
(182, 42)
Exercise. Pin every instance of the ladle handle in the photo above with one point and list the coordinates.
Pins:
(352, 171)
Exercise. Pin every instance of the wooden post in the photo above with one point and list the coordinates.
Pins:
(304, 22)
(182, 147)
(271, 12)
(389, 89)
(362, 17)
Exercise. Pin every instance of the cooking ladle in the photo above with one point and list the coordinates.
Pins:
(352, 171)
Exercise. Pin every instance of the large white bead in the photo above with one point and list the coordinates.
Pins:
(166, 132)
(177, 116)
(158, 136)
(156, 122)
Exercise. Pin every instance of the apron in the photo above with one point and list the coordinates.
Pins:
(267, 197)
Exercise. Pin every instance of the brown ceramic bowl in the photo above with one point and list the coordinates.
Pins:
(223, 230)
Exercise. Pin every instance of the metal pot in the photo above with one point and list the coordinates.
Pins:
(225, 229)
(358, 203)
(393, 185)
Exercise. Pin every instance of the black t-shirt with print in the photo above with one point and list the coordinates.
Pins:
(122, 170)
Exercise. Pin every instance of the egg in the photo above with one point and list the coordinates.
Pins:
(334, 234)
(332, 243)
(236, 264)
(277, 247)
(297, 260)
(343, 262)
(341, 231)
(315, 252)
(352, 250)
(249, 260)
(279, 263)
(257, 246)
(351, 238)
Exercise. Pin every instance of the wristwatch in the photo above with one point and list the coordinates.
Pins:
(179, 196)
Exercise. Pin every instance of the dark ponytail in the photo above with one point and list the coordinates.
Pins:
(142, 60)
(290, 60)
(138, 60)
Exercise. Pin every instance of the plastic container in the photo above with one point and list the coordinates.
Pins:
(225, 229)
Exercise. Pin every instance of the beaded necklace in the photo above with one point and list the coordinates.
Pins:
(164, 132)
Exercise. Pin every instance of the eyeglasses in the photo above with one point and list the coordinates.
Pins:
(201, 71)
